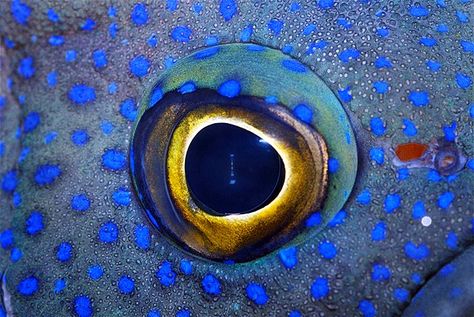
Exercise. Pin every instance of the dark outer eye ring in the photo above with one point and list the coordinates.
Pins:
(176, 120)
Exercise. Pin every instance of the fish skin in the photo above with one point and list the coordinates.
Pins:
(381, 245)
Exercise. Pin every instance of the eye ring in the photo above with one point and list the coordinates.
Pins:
(233, 72)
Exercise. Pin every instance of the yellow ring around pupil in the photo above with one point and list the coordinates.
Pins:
(304, 155)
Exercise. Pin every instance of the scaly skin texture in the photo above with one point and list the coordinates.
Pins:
(409, 65)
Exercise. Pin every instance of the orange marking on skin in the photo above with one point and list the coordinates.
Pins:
(410, 151)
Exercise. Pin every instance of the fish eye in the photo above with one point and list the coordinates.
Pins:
(235, 147)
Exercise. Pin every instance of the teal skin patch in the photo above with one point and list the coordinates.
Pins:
(268, 73)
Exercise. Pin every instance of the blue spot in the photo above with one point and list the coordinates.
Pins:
(183, 313)
(433, 66)
(452, 241)
(274, 100)
(416, 252)
(392, 202)
(447, 269)
(295, 313)
(152, 41)
(327, 250)
(165, 274)
(83, 306)
(228, 9)
(112, 88)
(445, 200)
(28, 286)
(367, 308)
(46, 174)
(122, 196)
(156, 96)
(154, 313)
(181, 33)
(433, 176)
(401, 294)
(428, 41)
(345, 94)
(383, 62)
(142, 237)
(450, 132)
(378, 232)
(418, 210)
(126, 285)
(346, 24)
(383, 32)
(403, 173)
(463, 80)
(246, 33)
(442, 28)
(294, 66)
(380, 273)
(230, 88)
(320, 288)
(59, 285)
(256, 293)
(315, 219)
(186, 267)
(139, 14)
(26, 67)
(381, 87)
(376, 154)
(462, 17)
(419, 98)
(113, 29)
(20, 11)
(410, 128)
(304, 113)
(275, 26)
(419, 11)
(64, 252)
(81, 94)
(88, 25)
(9, 181)
(171, 5)
(80, 137)
(34, 223)
(206, 53)
(289, 257)
(309, 29)
(467, 46)
(100, 58)
(187, 87)
(416, 278)
(377, 126)
(338, 219)
(31, 121)
(95, 272)
(56, 40)
(365, 197)
(106, 127)
(333, 165)
(52, 79)
(52, 15)
(80, 202)
(7, 239)
(139, 66)
(108, 232)
(211, 285)
(349, 54)
(50, 137)
(15, 256)
(70, 56)
(325, 4)
(114, 160)
(128, 109)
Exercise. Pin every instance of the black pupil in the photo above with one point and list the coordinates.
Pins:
(230, 170)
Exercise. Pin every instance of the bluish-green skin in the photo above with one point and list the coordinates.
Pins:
(357, 49)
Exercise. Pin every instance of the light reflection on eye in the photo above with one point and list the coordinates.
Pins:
(230, 153)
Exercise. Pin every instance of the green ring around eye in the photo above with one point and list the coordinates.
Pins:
(277, 84)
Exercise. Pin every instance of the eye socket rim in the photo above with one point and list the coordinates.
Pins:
(218, 236)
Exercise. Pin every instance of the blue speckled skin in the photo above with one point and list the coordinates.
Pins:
(74, 238)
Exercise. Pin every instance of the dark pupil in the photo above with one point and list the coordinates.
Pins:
(231, 170)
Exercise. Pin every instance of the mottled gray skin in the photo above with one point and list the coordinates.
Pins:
(349, 273)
